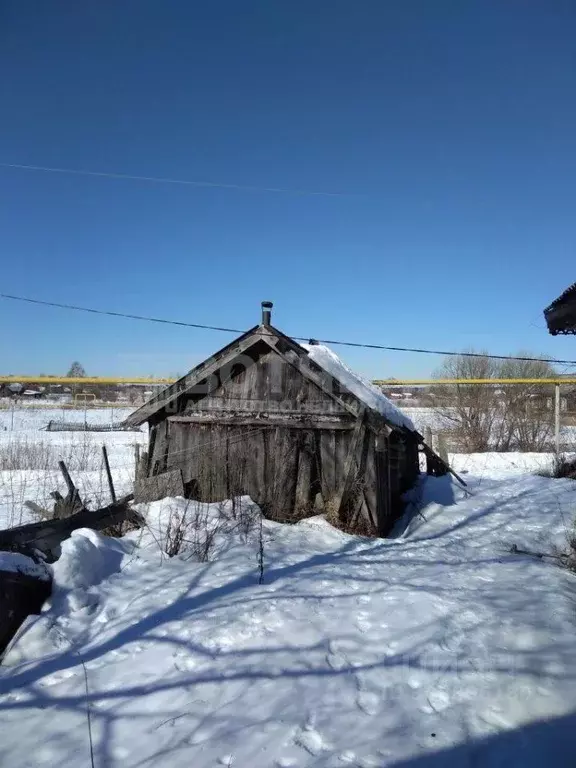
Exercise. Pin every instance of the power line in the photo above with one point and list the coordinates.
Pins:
(332, 342)
(181, 182)
(119, 314)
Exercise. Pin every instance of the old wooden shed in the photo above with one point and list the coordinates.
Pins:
(288, 424)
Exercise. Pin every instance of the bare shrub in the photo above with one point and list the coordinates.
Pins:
(570, 554)
(527, 419)
(191, 530)
(500, 417)
(469, 410)
(566, 555)
(239, 517)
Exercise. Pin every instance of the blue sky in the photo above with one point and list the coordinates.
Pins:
(446, 128)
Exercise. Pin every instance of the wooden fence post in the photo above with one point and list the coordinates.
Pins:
(109, 475)
(557, 418)
(136, 460)
(442, 448)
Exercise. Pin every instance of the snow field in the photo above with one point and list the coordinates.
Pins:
(436, 648)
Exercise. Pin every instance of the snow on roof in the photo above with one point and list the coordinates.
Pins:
(370, 395)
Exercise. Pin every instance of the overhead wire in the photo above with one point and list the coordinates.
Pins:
(331, 342)
(179, 182)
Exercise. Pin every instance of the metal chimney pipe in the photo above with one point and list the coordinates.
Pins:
(266, 312)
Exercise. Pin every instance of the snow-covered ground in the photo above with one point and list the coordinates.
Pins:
(29, 459)
(438, 648)
(32, 417)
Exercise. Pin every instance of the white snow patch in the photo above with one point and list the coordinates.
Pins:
(88, 557)
(369, 394)
(14, 562)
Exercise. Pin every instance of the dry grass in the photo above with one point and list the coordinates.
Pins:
(29, 473)
(193, 530)
(570, 554)
(80, 455)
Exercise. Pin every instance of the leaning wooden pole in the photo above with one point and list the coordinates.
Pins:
(557, 418)
(109, 474)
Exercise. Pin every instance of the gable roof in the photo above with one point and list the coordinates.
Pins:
(561, 314)
(312, 360)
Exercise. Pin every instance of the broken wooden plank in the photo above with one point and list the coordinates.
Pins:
(72, 503)
(47, 535)
(40, 512)
(434, 462)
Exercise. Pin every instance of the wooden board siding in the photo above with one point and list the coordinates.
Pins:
(271, 384)
(370, 490)
(306, 478)
(218, 461)
(384, 516)
(274, 434)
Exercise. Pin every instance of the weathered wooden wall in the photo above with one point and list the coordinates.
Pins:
(269, 432)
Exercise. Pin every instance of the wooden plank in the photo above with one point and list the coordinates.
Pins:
(347, 474)
(303, 366)
(436, 466)
(248, 407)
(263, 420)
(67, 479)
(257, 467)
(383, 499)
(287, 471)
(151, 448)
(64, 507)
(276, 378)
(370, 481)
(328, 448)
(303, 491)
(47, 536)
(136, 460)
(159, 486)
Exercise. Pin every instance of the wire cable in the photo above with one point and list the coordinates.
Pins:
(180, 182)
(331, 342)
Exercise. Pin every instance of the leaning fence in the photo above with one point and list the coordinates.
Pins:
(84, 426)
